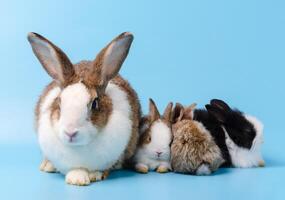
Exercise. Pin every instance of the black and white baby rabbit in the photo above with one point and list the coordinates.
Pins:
(239, 136)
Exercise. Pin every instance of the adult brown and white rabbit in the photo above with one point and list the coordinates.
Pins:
(153, 151)
(193, 149)
(87, 118)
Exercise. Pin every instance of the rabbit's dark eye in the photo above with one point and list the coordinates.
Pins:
(248, 131)
(94, 105)
(148, 139)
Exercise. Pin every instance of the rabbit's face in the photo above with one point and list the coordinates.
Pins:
(157, 141)
(80, 116)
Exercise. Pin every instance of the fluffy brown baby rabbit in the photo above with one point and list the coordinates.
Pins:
(193, 149)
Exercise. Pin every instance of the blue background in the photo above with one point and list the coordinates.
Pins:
(186, 51)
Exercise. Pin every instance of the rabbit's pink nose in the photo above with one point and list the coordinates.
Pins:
(71, 135)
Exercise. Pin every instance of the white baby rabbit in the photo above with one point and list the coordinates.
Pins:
(153, 151)
(87, 118)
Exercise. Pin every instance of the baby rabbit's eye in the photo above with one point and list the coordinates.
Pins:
(148, 139)
(248, 130)
(94, 105)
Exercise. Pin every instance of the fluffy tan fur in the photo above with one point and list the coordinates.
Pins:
(192, 144)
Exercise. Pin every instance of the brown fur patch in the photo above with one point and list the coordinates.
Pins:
(49, 87)
(100, 117)
(55, 110)
(90, 74)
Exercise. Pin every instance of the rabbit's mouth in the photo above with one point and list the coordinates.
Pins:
(71, 140)
(75, 139)
(161, 156)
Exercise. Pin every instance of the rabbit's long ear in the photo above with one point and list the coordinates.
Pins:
(177, 113)
(218, 114)
(221, 105)
(109, 61)
(168, 112)
(52, 58)
(189, 111)
(153, 111)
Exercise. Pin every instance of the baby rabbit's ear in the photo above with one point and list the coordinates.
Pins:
(218, 114)
(153, 112)
(177, 113)
(167, 112)
(189, 111)
(220, 105)
(111, 58)
(52, 58)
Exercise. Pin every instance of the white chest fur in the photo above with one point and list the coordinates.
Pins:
(103, 152)
(142, 158)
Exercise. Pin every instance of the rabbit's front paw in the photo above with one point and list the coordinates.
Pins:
(141, 168)
(46, 166)
(162, 169)
(261, 163)
(98, 176)
(77, 177)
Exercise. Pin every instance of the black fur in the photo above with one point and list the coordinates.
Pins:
(216, 131)
(239, 129)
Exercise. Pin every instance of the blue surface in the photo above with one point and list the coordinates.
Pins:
(187, 51)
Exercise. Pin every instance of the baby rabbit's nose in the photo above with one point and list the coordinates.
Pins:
(71, 134)
(158, 153)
